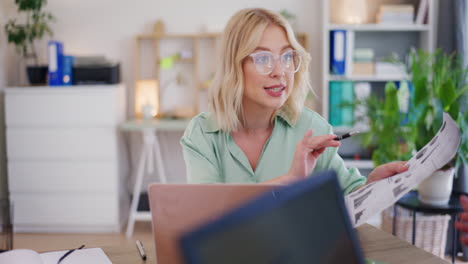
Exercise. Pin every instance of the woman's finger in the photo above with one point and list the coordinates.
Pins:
(462, 227)
(463, 217)
(464, 202)
(322, 141)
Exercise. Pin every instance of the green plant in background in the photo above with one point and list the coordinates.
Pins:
(35, 27)
(288, 15)
(439, 85)
(386, 136)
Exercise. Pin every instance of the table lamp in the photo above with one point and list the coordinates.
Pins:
(147, 99)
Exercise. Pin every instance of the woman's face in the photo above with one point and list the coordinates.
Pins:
(268, 91)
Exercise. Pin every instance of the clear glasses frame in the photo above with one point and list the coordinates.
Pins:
(265, 61)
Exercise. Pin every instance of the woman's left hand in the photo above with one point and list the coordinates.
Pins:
(386, 170)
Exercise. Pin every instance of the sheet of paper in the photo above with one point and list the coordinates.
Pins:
(20, 256)
(86, 255)
(375, 197)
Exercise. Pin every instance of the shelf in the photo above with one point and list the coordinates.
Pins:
(345, 129)
(380, 27)
(370, 78)
(188, 60)
(359, 164)
(178, 36)
(155, 124)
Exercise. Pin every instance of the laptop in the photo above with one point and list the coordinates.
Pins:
(179, 208)
(306, 222)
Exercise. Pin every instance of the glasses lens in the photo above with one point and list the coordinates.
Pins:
(290, 61)
(263, 62)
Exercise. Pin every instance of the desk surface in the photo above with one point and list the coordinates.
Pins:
(376, 244)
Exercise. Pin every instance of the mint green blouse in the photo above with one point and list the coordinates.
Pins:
(212, 156)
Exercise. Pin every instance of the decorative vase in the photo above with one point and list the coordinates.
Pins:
(37, 75)
(437, 188)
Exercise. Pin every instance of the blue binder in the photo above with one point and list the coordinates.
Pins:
(55, 53)
(67, 73)
(337, 51)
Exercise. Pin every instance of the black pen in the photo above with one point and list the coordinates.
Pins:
(141, 250)
(68, 253)
(347, 135)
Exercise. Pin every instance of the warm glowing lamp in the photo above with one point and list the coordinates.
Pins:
(146, 98)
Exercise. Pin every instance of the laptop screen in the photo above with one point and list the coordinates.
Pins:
(302, 223)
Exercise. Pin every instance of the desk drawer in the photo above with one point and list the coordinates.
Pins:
(62, 177)
(62, 143)
(64, 107)
(85, 209)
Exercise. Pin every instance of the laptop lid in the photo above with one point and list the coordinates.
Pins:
(305, 222)
(178, 208)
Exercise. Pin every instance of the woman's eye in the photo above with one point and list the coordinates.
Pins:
(288, 57)
(263, 59)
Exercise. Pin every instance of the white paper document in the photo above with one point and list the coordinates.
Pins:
(377, 196)
(27, 256)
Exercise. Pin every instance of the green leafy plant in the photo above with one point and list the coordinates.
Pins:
(439, 85)
(386, 136)
(35, 27)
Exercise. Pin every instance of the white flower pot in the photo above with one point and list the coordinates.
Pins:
(437, 188)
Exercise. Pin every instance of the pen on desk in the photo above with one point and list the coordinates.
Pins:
(68, 253)
(141, 250)
(347, 135)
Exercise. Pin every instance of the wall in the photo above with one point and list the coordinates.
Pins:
(109, 27)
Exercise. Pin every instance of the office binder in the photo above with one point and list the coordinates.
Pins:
(347, 98)
(55, 59)
(334, 105)
(67, 72)
(337, 52)
(340, 109)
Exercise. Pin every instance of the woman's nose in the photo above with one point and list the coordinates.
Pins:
(277, 69)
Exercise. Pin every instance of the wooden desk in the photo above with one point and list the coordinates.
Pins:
(376, 244)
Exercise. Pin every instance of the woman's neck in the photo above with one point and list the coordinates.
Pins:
(257, 121)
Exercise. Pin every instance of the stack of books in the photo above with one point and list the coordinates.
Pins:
(383, 68)
(395, 14)
(363, 62)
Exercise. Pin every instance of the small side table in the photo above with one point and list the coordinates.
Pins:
(150, 152)
(411, 202)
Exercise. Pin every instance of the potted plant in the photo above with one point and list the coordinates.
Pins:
(24, 36)
(400, 125)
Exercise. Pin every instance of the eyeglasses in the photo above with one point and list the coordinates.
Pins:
(265, 61)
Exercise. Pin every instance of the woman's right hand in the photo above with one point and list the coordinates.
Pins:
(307, 152)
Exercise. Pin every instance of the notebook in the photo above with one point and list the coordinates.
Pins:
(303, 223)
(27, 256)
(178, 208)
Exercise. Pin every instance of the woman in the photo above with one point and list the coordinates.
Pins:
(257, 129)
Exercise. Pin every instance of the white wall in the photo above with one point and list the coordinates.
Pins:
(109, 27)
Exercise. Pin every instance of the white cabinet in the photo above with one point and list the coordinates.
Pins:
(66, 169)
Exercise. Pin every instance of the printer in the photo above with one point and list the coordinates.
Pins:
(95, 70)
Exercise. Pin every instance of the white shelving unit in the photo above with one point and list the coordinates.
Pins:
(383, 39)
(361, 35)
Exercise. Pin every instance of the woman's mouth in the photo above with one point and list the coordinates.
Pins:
(275, 90)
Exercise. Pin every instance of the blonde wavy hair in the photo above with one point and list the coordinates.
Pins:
(240, 38)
